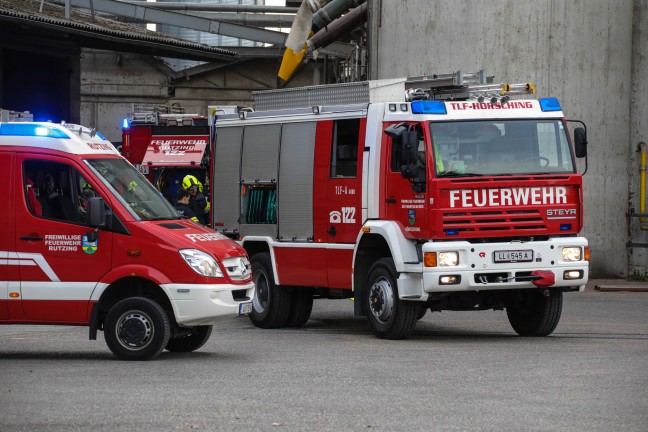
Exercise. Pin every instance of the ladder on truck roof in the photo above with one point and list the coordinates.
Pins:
(167, 115)
(452, 86)
(462, 86)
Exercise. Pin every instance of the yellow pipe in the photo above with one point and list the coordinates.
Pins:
(642, 186)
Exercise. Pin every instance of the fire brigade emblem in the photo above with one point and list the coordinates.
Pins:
(411, 216)
(89, 247)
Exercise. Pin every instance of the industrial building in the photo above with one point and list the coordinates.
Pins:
(89, 61)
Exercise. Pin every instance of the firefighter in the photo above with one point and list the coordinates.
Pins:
(182, 205)
(197, 201)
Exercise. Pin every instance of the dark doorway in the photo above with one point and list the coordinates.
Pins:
(38, 83)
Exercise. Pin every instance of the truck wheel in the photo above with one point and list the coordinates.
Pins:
(301, 306)
(531, 313)
(136, 328)
(271, 303)
(198, 337)
(422, 311)
(390, 317)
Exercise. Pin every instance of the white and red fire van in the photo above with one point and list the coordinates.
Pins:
(86, 240)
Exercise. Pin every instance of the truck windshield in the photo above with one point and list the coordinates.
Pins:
(141, 199)
(501, 147)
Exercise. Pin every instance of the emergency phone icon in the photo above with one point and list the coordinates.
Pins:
(347, 215)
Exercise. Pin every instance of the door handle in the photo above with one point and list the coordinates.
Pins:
(32, 238)
(390, 200)
(332, 231)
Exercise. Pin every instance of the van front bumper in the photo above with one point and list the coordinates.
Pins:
(198, 304)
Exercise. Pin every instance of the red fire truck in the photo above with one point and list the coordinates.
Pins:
(459, 197)
(86, 240)
(166, 144)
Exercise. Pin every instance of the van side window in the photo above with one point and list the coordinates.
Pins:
(344, 151)
(55, 191)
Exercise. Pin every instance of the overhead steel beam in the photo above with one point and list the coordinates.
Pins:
(253, 20)
(152, 15)
(216, 7)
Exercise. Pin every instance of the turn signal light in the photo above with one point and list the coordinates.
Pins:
(587, 253)
(430, 259)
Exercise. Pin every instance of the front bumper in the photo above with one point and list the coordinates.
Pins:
(197, 304)
(478, 271)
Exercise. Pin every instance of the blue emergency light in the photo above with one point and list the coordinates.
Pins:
(428, 107)
(565, 227)
(31, 129)
(549, 104)
(125, 124)
(452, 231)
(101, 136)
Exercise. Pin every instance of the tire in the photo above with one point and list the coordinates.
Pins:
(301, 306)
(422, 311)
(198, 337)
(389, 317)
(136, 328)
(271, 303)
(531, 313)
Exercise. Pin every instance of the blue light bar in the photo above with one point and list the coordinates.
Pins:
(31, 129)
(549, 104)
(428, 107)
(125, 124)
(565, 227)
(452, 231)
(101, 136)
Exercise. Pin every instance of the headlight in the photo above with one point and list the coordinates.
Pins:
(201, 263)
(572, 254)
(448, 259)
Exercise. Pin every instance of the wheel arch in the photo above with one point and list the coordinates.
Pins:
(123, 288)
(383, 239)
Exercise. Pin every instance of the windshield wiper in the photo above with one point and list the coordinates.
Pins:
(459, 174)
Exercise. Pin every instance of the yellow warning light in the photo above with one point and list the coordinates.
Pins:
(366, 229)
(14, 295)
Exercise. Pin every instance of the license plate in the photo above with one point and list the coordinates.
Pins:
(245, 308)
(513, 256)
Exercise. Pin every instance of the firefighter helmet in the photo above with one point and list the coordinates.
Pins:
(190, 181)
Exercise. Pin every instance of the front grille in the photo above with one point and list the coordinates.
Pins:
(506, 222)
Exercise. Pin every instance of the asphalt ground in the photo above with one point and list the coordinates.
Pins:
(459, 371)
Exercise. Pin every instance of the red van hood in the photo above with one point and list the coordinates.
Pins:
(190, 235)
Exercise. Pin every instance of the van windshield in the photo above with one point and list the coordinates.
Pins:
(134, 191)
(501, 147)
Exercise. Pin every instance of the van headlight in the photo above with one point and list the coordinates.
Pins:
(202, 263)
(571, 254)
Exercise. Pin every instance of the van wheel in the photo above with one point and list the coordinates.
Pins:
(198, 337)
(271, 303)
(389, 317)
(137, 328)
(301, 306)
(531, 313)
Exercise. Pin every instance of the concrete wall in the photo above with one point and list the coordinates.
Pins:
(111, 82)
(582, 51)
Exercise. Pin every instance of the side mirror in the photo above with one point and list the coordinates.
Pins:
(580, 142)
(409, 151)
(395, 131)
(97, 215)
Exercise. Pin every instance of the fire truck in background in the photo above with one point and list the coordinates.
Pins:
(166, 144)
(464, 195)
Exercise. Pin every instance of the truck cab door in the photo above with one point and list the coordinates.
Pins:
(59, 267)
(7, 196)
(404, 200)
(339, 186)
